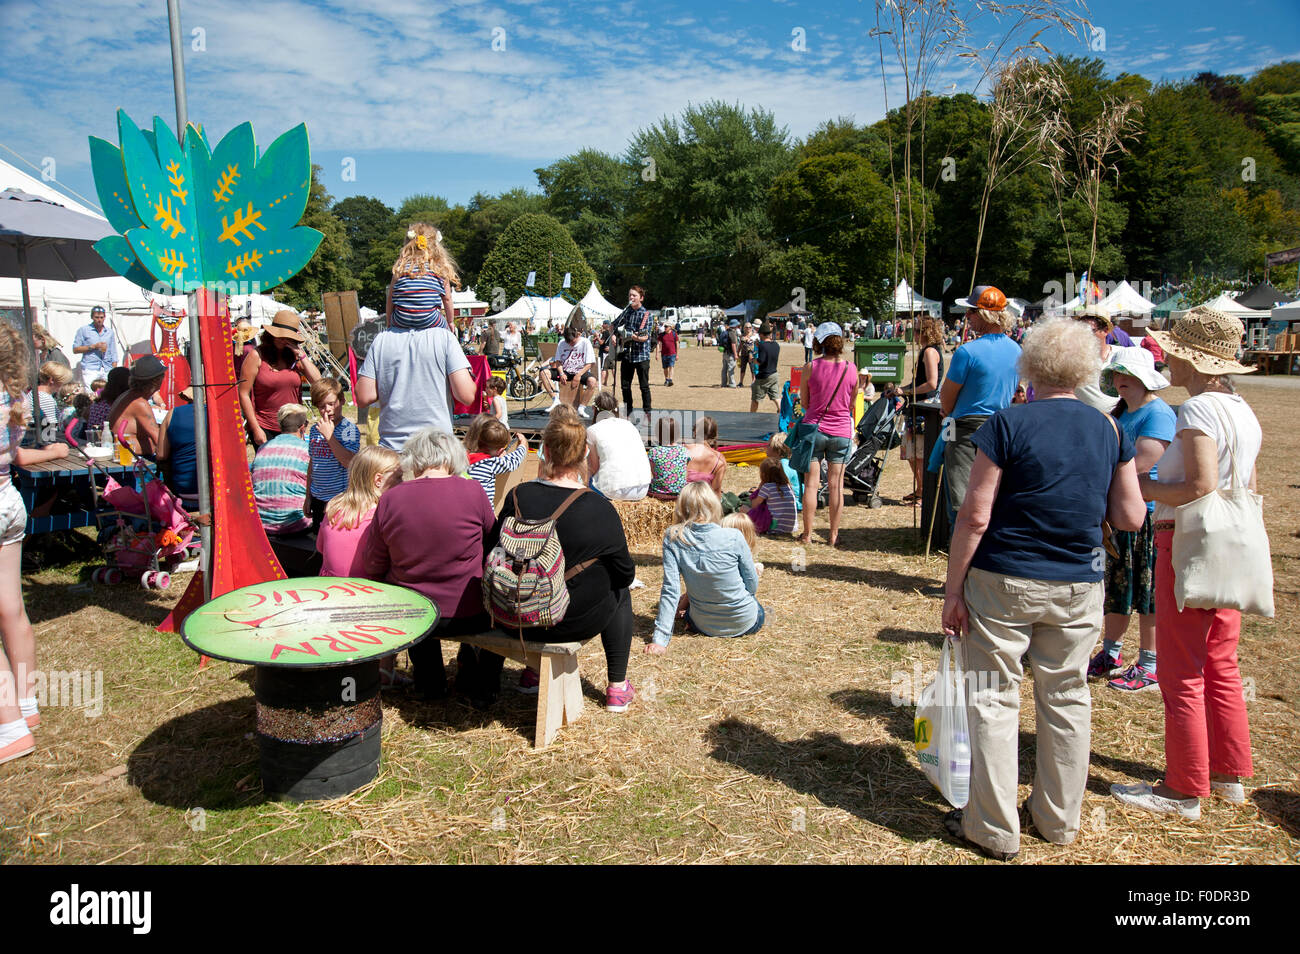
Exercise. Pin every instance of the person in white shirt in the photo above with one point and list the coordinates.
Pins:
(570, 378)
(512, 341)
(617, 459)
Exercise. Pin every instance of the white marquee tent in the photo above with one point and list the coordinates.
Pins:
(598, 307)
(1125, 300)
(536, 312)
(908, 300)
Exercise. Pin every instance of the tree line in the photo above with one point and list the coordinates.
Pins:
(721, 204)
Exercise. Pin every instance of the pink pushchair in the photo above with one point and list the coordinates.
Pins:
(145, 535)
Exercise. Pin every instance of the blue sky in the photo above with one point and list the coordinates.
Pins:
(416, 95)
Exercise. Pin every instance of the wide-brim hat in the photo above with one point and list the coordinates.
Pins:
(1136, 363)
(1207, 339)
(734, 323)
(286, 324)
(826, 329)
(1094, 313)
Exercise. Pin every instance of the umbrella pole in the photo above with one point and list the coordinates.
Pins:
(201, 446)
(33, 372)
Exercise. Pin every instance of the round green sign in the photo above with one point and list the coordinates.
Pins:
(310, 622)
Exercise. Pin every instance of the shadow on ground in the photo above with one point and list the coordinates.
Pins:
(874, 781)
(201, 759)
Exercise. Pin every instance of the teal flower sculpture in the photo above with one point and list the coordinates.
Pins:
(193, 216)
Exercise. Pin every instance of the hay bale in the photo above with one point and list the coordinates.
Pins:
(644, 522)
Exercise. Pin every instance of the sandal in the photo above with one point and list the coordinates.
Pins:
(911, 498)
(952, 824)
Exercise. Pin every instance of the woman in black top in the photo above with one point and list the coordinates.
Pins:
(590, 529)
(926, 378)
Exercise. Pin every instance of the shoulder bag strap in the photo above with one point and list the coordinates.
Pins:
(831, 396)
(1229, 438)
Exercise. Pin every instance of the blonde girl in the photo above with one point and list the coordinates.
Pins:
(348, 515)
(717, 567)
(18, 712)
(740, 521)
(423, 278)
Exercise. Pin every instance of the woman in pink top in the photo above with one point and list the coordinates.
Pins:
(829, 385)
(371, 471)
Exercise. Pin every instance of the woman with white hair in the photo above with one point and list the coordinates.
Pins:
(427, 535)
(1024, 577)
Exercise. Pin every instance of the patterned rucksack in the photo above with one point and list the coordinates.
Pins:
(525, 583)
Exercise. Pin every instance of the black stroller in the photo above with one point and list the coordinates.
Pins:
(877, 435)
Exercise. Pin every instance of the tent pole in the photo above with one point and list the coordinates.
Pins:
(201, 446)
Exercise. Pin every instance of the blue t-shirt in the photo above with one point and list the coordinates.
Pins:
(1057, 458)
(1154, 419)
(986, 370)
(329, 478)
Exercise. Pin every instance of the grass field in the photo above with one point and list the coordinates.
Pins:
(780, 747)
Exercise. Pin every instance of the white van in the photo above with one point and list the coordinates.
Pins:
(691, 318)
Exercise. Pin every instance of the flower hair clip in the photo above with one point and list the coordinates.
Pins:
(422, 242)
(410, 233)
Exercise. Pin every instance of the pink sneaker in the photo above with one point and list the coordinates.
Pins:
(1104, 665)
(33, 720)
(616, 699)
(17, 749)
(1135, 679)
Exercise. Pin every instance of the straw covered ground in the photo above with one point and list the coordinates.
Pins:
(787, 746)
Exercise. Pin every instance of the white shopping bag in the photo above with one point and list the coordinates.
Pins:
(940, 729)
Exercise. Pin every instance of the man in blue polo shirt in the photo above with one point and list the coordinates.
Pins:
(97, 346)
(982, 379)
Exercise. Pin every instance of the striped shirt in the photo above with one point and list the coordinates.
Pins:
(781, 504)
(417, 301)
(329, 478)
(486, 469)
(280, 484)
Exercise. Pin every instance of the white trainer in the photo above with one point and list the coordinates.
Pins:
(1234, 793)
(1142, 796)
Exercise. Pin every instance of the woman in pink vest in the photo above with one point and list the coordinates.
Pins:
(828, 387)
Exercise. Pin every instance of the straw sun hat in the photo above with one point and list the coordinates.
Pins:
(286, 325)
(1206, 339)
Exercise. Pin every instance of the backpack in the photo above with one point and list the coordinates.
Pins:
(525, 583)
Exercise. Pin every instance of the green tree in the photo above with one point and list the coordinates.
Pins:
(533, 243)
(837, 205)
(327, 270)
(365, 220)
(588, 192)
(486, 219)
(700, 202)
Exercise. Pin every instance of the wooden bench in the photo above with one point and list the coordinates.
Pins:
(559, 696)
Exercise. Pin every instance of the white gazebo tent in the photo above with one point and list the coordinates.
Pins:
(909, 301)
(1125, 300)
(537, 313)
(598, 307)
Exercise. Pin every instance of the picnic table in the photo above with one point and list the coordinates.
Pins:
(73, 473)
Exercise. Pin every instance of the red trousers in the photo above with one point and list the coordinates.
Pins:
(1206, 729)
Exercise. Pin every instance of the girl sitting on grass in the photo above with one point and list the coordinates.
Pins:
(772, 506)
(741, 522)
(717, 567)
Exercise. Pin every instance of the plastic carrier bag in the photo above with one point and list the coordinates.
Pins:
(941, 732)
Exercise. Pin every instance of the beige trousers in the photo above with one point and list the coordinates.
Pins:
(1058, 624)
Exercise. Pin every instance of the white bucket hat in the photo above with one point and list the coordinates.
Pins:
(1136, 363)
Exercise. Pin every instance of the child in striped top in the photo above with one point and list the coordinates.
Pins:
(280, 475)
(772, 505)
(331, 442)
(491, 452)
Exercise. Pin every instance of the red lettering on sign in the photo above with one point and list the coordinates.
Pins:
(299, 599)
(336, 645)
(373, 628)
(305, 648)
(360, 637)
(364, 588)
(342, 586)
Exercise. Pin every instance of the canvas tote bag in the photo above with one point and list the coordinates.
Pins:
(1220, 548)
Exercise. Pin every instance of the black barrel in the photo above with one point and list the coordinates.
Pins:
(318, 729)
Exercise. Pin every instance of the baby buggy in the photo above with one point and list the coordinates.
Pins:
(877, 435)
(144, 534)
